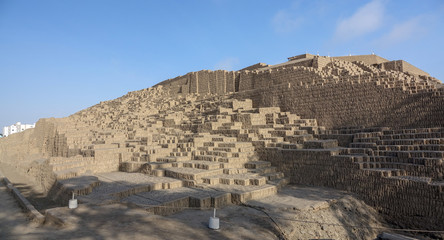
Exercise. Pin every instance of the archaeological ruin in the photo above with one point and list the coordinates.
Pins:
(362, 124)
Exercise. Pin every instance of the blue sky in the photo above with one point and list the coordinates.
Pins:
(59, 57)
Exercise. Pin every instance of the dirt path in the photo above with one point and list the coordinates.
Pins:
(13, 222)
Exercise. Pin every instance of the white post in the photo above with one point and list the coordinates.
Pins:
(72, 202)
(214, 221)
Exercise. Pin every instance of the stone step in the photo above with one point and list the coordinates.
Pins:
(313, 129)
(427, 180)
(321, 144)
(69, 173)
(428, 147)
(157, 172)
(274, 139)
(209, 144)
(263, 170)
(385, 172)
(131, 166)
(235, 170)
(191, 173)
(180, 150)
(366, 140)
(232, 149)
(229, 132)
(224, 139)
(368, 134)
(173, 159)
(257, 164)
(233, 160)
(58, 160)
(412, 136)
(207, 165)
(214, 153)
(280, 133)
(414, 130)
(185, 145)
(235, 165)
(180, 154)
(273, 175)
(356, 151)
(350, 158)
(400, 166)
(67, 165)
(287, 127)
(210, 158)
(421, 141)
(299, 138)
(418, 161)
(224, 154)
(235, 145)
(279, 183)
(286, 145)
(411, 154)
(300, 132)
(363, 145)
(244, 179)
(238, 124)
(242, 194)
(158, 165)
(246, 137)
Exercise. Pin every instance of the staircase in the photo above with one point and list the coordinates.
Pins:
(407, 153)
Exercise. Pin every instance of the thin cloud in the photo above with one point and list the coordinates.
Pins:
(366, 19)
(410, 29)
(284, 22)
(228, 64)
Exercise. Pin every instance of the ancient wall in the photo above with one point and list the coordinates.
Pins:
(347, 104)
(202, 82)
(407, 67)
(255, 66)
(415, 204)
(367, 99)
(368, 59)
(302, 56)
(402, 66)
(27, 151)
(337, 93)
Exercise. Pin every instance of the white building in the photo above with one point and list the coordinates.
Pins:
(15, 128)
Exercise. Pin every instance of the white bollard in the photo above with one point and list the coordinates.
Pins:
(72, 202)
(214, 221)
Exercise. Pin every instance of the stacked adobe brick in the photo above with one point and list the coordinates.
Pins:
(169, 129)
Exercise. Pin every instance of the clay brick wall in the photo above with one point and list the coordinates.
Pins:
(302, 56)
(194, 83)
(409, 203)
(392, 65)
(368, 59)
(403, 66)
(255, 66)
(346, 103)
(230, 81)
(407, 67)
(246, 81)
(203, 84)
(362, 97)
(220, 82)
